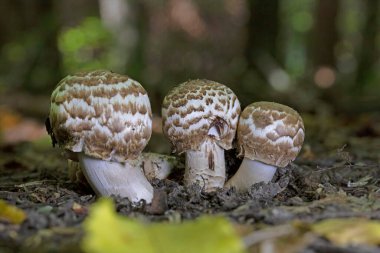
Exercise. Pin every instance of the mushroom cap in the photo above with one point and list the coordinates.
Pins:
(197, 110)
(270, 133)
(103, 114)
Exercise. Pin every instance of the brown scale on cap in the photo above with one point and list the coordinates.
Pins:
(103, 114)
(192, 108)
(270, 133)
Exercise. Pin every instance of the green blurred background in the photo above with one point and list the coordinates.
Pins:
(315, 55)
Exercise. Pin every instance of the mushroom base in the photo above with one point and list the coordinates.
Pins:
(113, 178)
(206, 167)
(251, 172)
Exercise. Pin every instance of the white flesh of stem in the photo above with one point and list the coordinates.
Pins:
(113, 178)
(206, 166)
(153, 165)
(251, 172)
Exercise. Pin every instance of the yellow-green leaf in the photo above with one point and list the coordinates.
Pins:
(108, 232)
(11, 213)
(349, 231)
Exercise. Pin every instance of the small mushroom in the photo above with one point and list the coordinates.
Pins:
(104, 120)
(200, 119)
(269, 135)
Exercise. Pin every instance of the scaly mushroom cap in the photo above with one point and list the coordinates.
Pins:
(270, 133)
(103, 114)
(190, 110)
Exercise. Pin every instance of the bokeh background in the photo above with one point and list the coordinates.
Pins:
(319, 56)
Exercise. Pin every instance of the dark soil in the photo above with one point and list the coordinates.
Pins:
(336, 175)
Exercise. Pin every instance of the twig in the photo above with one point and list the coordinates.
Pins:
(266, 234)
(34, 183)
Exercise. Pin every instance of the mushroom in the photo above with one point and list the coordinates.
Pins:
(200, 119)
(104, 120)
(269, 135)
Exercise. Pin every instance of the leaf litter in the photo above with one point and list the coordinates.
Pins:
(317, 204)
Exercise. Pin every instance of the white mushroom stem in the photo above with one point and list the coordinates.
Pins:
(206, 166)
(153, 165)
(113, 178)
(249, 173)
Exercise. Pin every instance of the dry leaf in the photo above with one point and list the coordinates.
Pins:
(349, 231)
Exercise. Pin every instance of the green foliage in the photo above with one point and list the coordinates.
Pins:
(86, 46)
(108, 232)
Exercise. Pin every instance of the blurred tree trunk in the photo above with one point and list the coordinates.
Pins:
(325, 33)
(136, 63)
(116, 17)
(7, 17)
(34, 26)
(369, 53)
(72, 12)
(44, 68)
(262, 52)
(263, 25)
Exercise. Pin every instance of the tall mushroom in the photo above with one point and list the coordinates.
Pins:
(200, 118)
(104, 120)
(269, 135)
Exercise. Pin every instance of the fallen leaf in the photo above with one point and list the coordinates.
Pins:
(361, 182)
(26, 130)
(286, 238)
(349, 231)
(108, 232)
(11, 213)
(79, 209)
(8, 118)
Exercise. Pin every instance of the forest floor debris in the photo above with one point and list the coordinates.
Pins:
(324, 183)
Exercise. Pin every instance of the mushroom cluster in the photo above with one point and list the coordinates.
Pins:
(103, 120)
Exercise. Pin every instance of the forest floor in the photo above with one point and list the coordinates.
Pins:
(336, 176)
